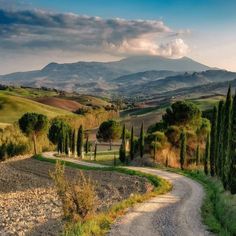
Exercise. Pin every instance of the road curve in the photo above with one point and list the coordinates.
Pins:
(174, 213)
(177, 213)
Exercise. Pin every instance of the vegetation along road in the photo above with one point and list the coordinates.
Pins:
(175, 213)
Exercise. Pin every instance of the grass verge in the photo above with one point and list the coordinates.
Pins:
(100, 223)
(219, 207)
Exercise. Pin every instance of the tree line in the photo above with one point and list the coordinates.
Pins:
(222, 156)
(60, 133)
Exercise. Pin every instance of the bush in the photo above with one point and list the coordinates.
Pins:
(78, 197)
(182, 113)
(159, 126)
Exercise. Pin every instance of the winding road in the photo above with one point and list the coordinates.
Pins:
(177, 213)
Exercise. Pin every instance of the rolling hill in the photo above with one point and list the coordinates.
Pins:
(13, 107)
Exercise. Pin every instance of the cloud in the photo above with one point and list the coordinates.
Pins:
(37, 29)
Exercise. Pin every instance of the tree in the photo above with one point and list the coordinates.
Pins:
(57, 134)
(132, 144)
(109, 131)
(73, 141)
(67, 143)
(218, 158)
(122, 152)
(226, 138)
(213, 141)
(197, 155)
(80, 141)
(232, 164)
(33, 124)
(141, 141)
(95, 152)
(182, 113)
(182, 149)
(87, 145)
(207, 155)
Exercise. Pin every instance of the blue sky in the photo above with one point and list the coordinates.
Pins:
(201, 29)
(177, 13)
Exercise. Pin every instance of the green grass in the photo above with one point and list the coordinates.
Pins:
(13, 107)
(99, 224)
(219, 207)
(29, 92)
(206, 103)
(104, 158)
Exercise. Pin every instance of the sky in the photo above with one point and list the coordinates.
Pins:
(34, 33)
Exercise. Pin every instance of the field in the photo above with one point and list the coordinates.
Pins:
(13, 107)
(14, 102)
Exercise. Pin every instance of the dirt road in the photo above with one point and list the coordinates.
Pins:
(175, 213)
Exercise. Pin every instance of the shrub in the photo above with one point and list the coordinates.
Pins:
(78, 197)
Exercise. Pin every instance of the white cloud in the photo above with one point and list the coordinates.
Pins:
(32, 31)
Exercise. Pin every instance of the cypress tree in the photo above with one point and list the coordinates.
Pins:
(207, 155)
(67, 143)
(226, 139)
(197, 155)
(213, 141)
(155, 147)
(232, 171)
(218, 158)
(182, 149)
(132, 144)
(87, 145)
(95, 152)
(80, 141)
(141, 141)
(122, 152)
(73, 142)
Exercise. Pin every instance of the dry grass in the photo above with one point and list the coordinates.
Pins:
(78, 197)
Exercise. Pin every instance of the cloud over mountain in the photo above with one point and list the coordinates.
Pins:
(31, 38)
(37, 29)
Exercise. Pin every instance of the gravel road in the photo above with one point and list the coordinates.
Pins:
(174, 213)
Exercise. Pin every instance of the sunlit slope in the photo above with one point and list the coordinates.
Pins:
(13, 107)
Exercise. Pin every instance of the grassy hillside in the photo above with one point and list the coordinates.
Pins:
(207, 103)
(13, 107)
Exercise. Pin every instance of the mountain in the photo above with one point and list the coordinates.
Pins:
(132, 74)
(145, 63)
(149, 82)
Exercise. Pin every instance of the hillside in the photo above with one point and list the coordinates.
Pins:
(13, 107)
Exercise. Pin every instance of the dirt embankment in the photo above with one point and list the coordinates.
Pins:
(29, 204)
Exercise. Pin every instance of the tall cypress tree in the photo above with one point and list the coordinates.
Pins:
(141, 141)
(73, 142)
(95, 152)
(80, 141)
(226, 138)
(213, 141)
(87, 145)
(122, 153)
(218, 158)
(232, 160)
(132, 144)
(67, 142)
(182, 149)
(207, 155)
(197, 155)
